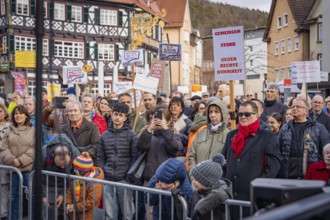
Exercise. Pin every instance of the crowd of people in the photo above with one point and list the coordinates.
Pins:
(187, 144)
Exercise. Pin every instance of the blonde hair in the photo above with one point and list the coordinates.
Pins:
(3, 106)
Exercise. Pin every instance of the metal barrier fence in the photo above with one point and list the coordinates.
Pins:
(97, 213)
(239, 203)
(6, 183)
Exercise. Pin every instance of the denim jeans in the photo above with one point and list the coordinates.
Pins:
(15, 193)
(114, 199)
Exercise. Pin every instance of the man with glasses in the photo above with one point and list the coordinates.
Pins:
(301, 141)
(317, 112)
(249, 95)
(272, 103)
(250, 152)
(223, 93)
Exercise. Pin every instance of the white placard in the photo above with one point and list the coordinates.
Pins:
(132, 57)
(324, 76)
(74, 75)
(228, 48)
(183, 89)
(146, 83)
(238, 89)
(305, 72)
(121, 87)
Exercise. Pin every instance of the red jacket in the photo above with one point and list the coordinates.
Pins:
(318, 171)
(100, 123)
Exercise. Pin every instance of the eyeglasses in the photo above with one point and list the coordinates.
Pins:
(249, 95)
(246, 114)
(297, 106)
(201, 108)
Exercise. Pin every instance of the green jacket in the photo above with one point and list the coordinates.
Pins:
(207, 143)
(141, 122)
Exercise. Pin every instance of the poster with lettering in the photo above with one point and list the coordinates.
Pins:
(170, 52)
(20, 81)
(305, 72)
(146, 83)
(74, 75)
(129, 57)
(228, 48)
(157, 69)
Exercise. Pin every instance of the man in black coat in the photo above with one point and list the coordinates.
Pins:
(317, 113)
(272, 103)
(116, 153)
(250, 151)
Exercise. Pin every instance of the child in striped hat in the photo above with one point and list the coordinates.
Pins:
(83, 166)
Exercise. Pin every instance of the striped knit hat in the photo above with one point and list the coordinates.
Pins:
(83, 162)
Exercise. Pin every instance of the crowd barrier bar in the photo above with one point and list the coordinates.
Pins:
(12, 169)
(240, 203)
(68, 177)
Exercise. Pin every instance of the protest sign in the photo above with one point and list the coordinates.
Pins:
(74, 75)
(228, 47)
(170, 52)
(53, 90)
(19, 82)
(324, 76)
(305, 72)
(146, 83)
(121, 87)
(132, 57)
(157, 69)
(25, 59)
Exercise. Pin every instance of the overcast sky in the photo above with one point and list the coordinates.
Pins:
(263, 5)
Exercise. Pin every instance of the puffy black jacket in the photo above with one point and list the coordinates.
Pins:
(161, 145)
(117, 152)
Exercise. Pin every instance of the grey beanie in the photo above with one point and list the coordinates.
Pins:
(209, 172)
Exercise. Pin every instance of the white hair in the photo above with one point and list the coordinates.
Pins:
(224, 87)
(326, 147)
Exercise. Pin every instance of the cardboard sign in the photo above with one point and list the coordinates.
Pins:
(121, 87)
(132, 57)
(170, 52)
(146, 83)
(20, 81)
(324, 76)
(157, 69)
(183, 89)
(74, 75)
(305, 72)
(138, 97)
(53, 90)
(228, 47)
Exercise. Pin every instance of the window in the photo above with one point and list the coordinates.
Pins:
(282, 73)
(3, 7)
(76, 14)
(251, 62)
(108, 17)
(285, 20)
(25, 43)
(59, 11)
(22, 7)
(289, 71)
(319, 57)
(45, 9)
(276, 48)
(45, 47)
(289, 44)
(4, 44)
(106, 52)
(276, 75)
(69, 49)
(251, 48)
(296, 43)
(282, 46)
(279, 22)
(319, 32)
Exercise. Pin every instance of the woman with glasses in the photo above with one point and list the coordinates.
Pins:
(17, 150)
(199, 108)
(210, 140)
(251, 152)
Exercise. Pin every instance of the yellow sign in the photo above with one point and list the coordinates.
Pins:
(25, 59)
(53, 90)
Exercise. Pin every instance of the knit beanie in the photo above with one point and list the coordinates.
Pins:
(71, 90)
(83, 162)
(209, 172)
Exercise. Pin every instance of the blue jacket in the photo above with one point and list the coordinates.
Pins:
(292, 165)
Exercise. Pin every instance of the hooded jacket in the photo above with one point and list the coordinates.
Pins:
(18, 143)
(207, 200)
(207, 143)
(140, 123)
(117, 152)
(93, 195)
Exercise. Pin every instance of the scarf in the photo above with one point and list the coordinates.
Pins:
(77, 189)
(215, 128)
(241, 136)
(269, 103)
(89, 115)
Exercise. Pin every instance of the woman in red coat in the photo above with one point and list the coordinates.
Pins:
(320, 170)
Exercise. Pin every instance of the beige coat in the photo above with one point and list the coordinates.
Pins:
(18, 143)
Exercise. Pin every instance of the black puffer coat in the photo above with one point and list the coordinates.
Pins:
(161, 145)
(117, 152)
